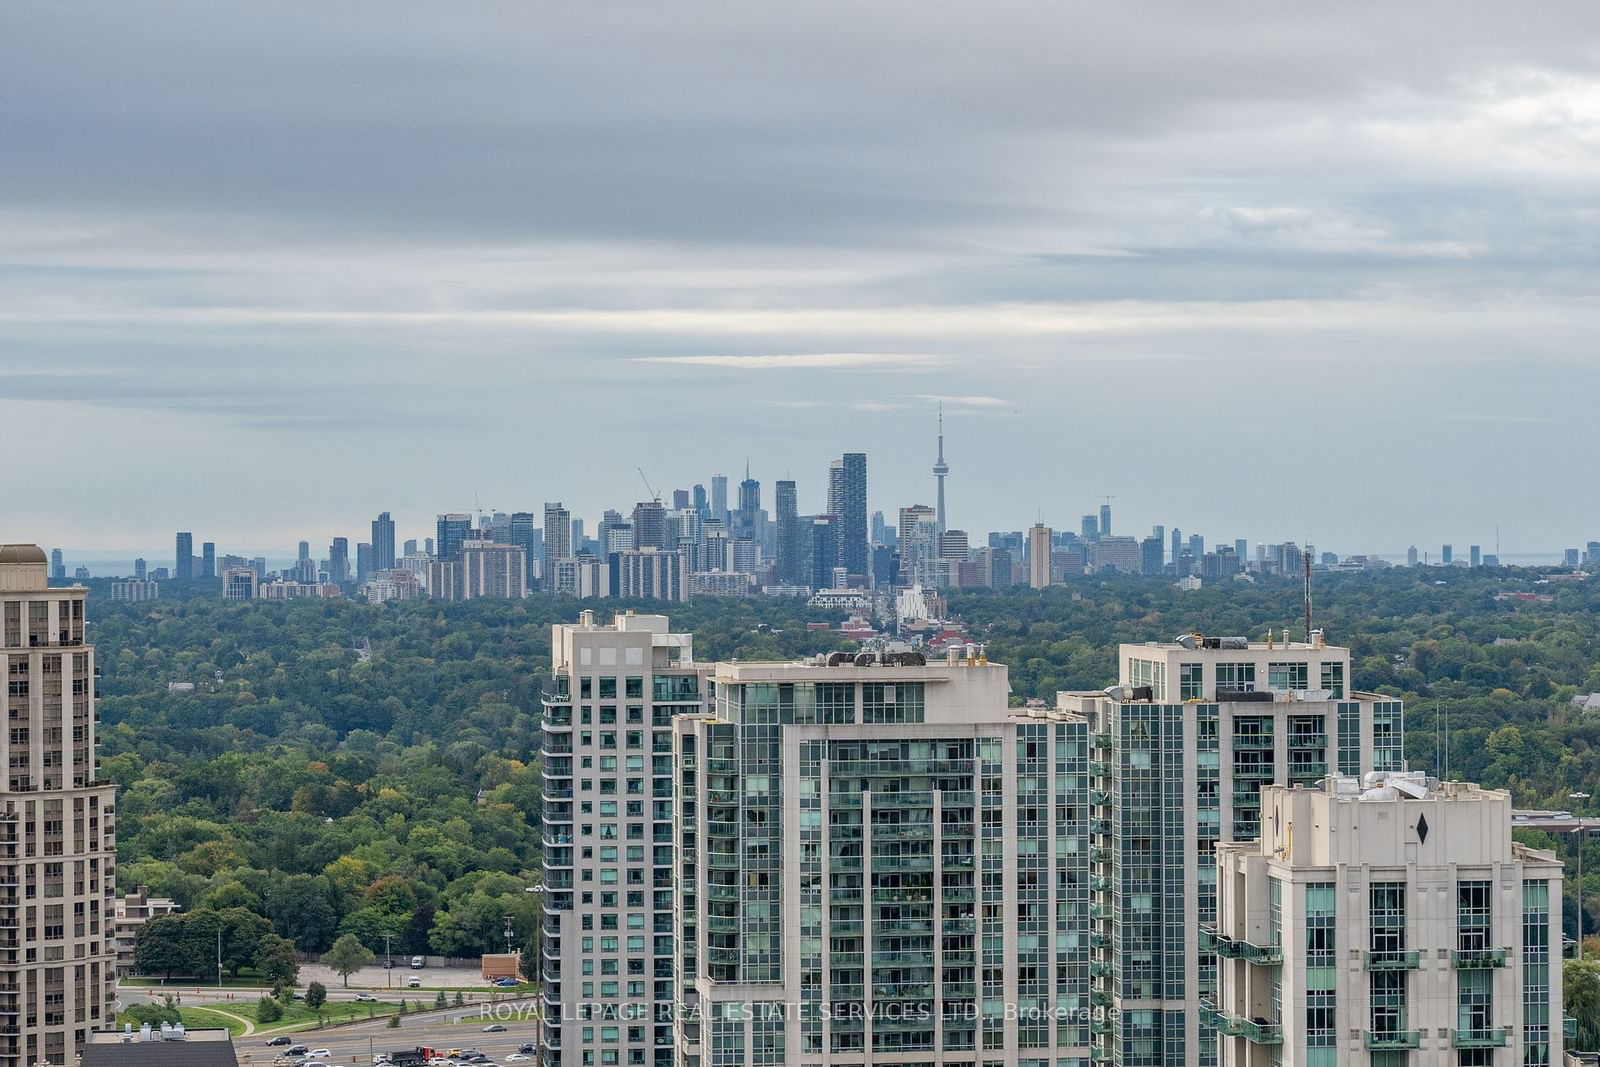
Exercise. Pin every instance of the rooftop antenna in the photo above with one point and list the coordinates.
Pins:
(1307, 558)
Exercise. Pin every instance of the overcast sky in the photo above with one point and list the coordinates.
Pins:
(1298, 271)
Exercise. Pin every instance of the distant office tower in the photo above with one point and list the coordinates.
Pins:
(650, 574)
(1039, 549)
(1475, 555)
(1150, 561)
(577, 536)
(1159, 532)
(650, 524)
(1116, 553)
(427, 547)
(1089, 529)
(364, 568)
(699, 501)
(339, 560)
(609, 894)
(853, 515)
(1197, 545)
(305, 551)
(526, 535)
(746, 523)
(619, 538)
(135, 590)
(451, 532)
(874, 858)
(1105, 520)
(825, 551)
(941, 471)
(557, 534)
(953, 544)
(1447, 555)
(409, 548)
(58, 864)
(1385, 918)
(183, 565)
(919, 545)
(1570, 558)
(719, 499)
(1591, 554)
(880, 529)
(58, 566)
(493, 570)
(680, 499)
(239, 583)
(1177, 545)
(835, 488)
(140, 569)
(208, 560)
(789, 559)
(1241, 549)
(383, 555)
(1181, 750)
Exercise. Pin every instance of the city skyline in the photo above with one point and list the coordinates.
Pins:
(1351, 266)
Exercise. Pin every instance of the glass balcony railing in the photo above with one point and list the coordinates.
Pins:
(1252, 742)
(1478, 959)
(1495, 1037)
(1392, 961)
(1392, 1040)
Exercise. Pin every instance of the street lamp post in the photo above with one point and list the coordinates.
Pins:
(388, 963)
(1583, 836)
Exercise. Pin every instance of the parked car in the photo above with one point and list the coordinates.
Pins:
(506, 983)
(527, 1046)
(413, 982)
(418, 962)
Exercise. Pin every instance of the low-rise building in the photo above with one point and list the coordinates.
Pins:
(133, 911)
(135, 590)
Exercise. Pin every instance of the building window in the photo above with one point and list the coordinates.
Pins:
(1191, 681)
(1333, 680)
(1286, 676)
(1236, 677)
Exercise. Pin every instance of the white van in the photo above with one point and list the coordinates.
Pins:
(417, 962)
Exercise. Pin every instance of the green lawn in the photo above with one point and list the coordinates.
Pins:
(203, 1018)
(299, 1017)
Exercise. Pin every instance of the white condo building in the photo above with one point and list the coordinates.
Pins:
(58, 948)
(1180, 752)
(607, 956)
(880, 863)
(1391, 922)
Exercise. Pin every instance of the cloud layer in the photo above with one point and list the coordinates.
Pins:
(1317, 272)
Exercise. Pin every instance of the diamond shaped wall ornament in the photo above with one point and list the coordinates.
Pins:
(1422, 829)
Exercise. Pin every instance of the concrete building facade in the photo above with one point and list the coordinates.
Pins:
(607, 955)
(58, 957)
(1387, 921)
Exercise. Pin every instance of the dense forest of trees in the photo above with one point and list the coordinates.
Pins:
(334, 792)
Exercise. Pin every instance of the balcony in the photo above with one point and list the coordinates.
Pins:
(1308, 740)
(1391, 1040)
(1099, 768)
(1392, 961)
(1256, 1031)
(1252, 743)
(1497, 1037)
(1482, 959)
(1100, 740)
(1308, 770)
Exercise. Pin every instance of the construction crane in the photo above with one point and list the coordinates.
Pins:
(652, 489)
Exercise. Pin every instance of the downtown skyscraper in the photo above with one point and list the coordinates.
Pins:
(855, 551)
(383, 556)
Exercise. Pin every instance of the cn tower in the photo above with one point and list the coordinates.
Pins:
(940, 469)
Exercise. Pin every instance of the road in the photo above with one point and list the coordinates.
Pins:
(353, 1046)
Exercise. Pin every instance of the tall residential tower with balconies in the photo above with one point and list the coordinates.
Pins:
(58, 954)
(1181, 749)
(607, 955)
(879, 862)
